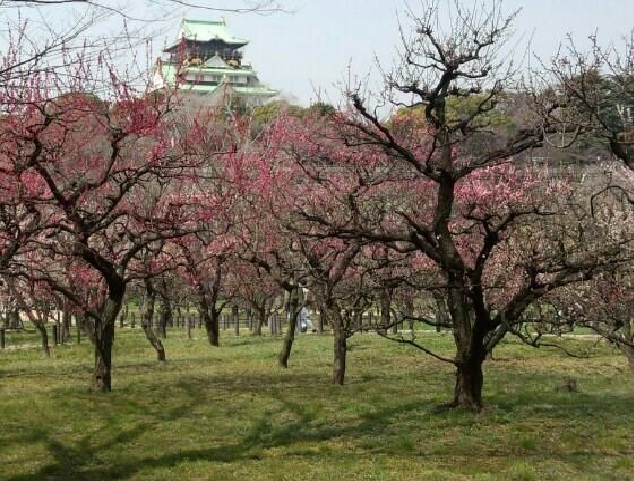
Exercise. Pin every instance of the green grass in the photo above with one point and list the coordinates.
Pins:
(231, 414)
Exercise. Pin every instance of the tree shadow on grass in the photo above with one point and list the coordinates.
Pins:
(80, 460)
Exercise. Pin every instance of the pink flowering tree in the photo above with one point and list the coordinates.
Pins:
(96, 187)
(289, 191)
(601, 302)
(492, 234)
(207, 264)
(257, 290)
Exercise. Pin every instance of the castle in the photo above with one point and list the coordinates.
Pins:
(206, 61)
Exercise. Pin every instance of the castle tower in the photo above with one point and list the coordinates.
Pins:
(206, 61)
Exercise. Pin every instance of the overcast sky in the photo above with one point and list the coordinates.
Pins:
(318, 44)
(305, 53)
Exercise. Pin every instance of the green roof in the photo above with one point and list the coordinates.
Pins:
(259, 90)
(168, 72)
(204, 31)
(245, 91)
(247, 72)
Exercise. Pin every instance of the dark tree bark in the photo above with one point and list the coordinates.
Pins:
(165, 315)
(12, 320)
(385, 303)
(469, 382)
(289, 337)
(340, 324)
(146, 321)
(235, 319)
(104, 339)
(66, 321)
(86, 326)
(260, 319)
(39, 318)
(46, 348)
(207, 302)
(102, 376)
(287, 346)
(209, 313)
(211, 320)
(628, 334)
(322, 320)
(179, 314)
(340, 351)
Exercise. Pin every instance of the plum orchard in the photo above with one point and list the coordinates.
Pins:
(488, 235)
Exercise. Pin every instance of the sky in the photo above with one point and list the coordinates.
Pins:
(307, 52)
(314, 47)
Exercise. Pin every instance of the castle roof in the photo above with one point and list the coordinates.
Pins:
(207, 31)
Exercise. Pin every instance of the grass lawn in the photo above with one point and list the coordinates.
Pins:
(231, 414)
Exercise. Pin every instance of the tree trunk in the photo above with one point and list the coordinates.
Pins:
(208, 313)
(154, 341)
(165, 316)
(235, 319)
(289, 337)
(13, 316)
(12, 320)
(442, 313)
(629, 353)
(179, 314)
(628, 334)
(249, 314)
(470, 355)
(210, 318)
(104, 338)
(85, 325)
(38, 318)
(65, 321)
(146, 321)
(212, 325)
(321, 320)
(293, 310)
(385, 304)
(408, 311)
(260, 319)
(46, 348)
(102, 323)
(272, 320)
(469, 381)
(339, 362)
(469, 332)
